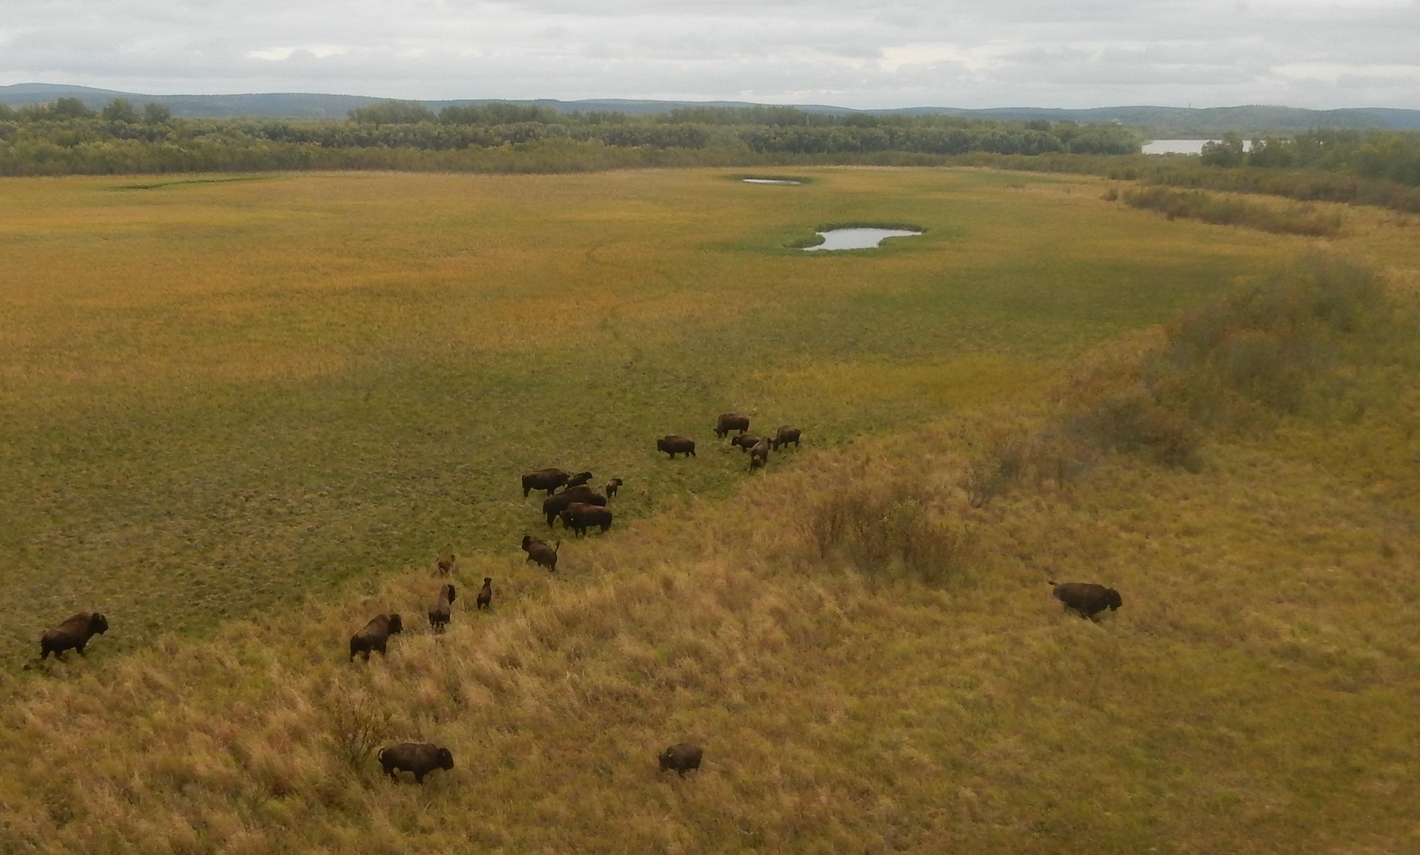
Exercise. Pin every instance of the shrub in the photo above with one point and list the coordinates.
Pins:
(356, 724)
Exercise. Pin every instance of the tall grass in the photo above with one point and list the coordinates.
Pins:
(1211, 208)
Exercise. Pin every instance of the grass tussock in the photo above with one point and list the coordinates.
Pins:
(1211, 208)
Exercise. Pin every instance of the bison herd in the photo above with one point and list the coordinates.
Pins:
(580, 507)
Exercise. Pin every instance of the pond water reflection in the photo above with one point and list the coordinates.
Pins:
(857, 238)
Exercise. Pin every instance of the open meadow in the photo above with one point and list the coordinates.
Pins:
(244, 414)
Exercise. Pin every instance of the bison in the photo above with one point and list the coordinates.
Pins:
(577, 480)
(440, 612)
(485, 598)
(1086, 598)
(447, 564)
(674, 445)
(540, 553)
(759, 454)
(74, 632)
(553, 505)
(612, 487)
(681, 756)
(374, 635)
(727, 422)
(784, 436)
(579, 516)
(745, 441)
(421, 758)
(544, 479)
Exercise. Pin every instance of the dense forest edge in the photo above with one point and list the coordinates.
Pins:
(66, 137)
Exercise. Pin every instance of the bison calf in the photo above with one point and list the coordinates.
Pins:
(674, 445)
(759, 454)
(579, 517)
(577, 480)
(553, 505)
(784, 436)
(746, 441)
(1086, 598)
(446, 564)
(681, 757)
(74, 632)
(374, 635)
(544, 479)
(421, 758)
(541, 553)
(612, 487)
(727, 422)
(485, 598)
(443, 608)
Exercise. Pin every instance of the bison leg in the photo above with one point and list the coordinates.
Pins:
(418, 777)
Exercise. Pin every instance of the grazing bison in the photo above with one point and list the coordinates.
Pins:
(374, 635)
(745, 441)
(784, 436)
(421, 758)
(485, 598)
(440, 612)
(579, 517)
(612, 487)
(544, 479)
(577, 480)
(681, 756)
(540, 553)
(74, 632)
(553, 505)
(446, 564)
(727, 422)
(674, 445)
(1086, 598)
(759, 454)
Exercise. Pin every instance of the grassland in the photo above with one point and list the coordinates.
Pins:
(244, 416)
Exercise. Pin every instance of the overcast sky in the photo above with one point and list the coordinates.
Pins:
(896, 53)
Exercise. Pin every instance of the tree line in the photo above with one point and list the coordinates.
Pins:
(66, 137)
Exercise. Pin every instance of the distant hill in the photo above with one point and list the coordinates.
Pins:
(1153, 121)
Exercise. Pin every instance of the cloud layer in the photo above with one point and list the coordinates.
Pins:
(899, 53)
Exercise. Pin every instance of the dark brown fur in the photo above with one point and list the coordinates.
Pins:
(579, 516)
(745, 441)
(1086, 598)
(674, 445)
(578, 480)
(540, 553)
(485, 598)
(74, 632)
(421, 758)
(612, 487)
(727, 422)
(544, 479)
(784, 436)
(553, 505)
(374, 635)
(682, 756)
(759, 454)
(443, 608)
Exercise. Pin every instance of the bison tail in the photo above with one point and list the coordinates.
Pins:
(556, 548)
(1051, 582)
(380, 755)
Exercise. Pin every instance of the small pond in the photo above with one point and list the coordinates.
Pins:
(770, 181)
(858, 238)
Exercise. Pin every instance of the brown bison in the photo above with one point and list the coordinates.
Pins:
(74, 632)
(553, 505)
(577, 480)
(485, 598)
(784, 436)
(544, 479)
(674, 445)
(681, 757)
(745, 441)
(1086, 598)
(374, 635)
(727, 422)
(612, 487)
(540, 553)
(447, 564)
(421, 758)
(759, 454)
(579, 517)
(443, 608)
